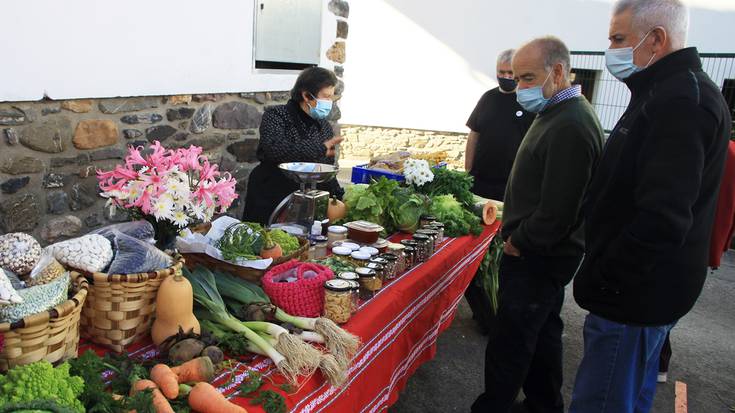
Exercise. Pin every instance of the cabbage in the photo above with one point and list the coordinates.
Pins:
(456, 219)
(407, 208)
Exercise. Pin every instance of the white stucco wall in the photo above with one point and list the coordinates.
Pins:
(88, 48)
(423, 64)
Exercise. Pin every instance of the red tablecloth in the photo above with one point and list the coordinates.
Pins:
(399, 328)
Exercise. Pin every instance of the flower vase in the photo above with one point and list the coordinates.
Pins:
(166, 233)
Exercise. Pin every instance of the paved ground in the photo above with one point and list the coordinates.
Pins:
(703, 345)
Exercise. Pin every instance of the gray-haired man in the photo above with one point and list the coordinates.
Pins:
(542, 229)
(650, 207)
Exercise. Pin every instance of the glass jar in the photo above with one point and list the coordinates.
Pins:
(321, 246)
(311, 254)
(379, 269)
(439, 227)
(410, 253)
(338, 300)
(355, 285)
(434, 234)
(370, 283)
(342, 253)
(370, 250)
(353, 279)
(399, 251)
(359, 258)
(391, 265)
(424, 244)
(426, 219)
(335, 233)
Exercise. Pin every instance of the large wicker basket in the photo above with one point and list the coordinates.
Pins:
(52, 335)
(120, 308)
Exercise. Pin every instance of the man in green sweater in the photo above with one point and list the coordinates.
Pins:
(542, 229)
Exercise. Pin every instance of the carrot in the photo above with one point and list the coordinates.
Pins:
(166, 380)
(160, 403)
(195, 370)
(204, 398)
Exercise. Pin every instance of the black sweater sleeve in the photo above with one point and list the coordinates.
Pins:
(670, 166)
(570, 158)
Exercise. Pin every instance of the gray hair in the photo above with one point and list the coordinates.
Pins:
(506, 56)
(672, 15)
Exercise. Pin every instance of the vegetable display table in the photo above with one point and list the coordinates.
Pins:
(398, 327)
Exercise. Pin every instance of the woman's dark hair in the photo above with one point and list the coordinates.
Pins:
(312, 80)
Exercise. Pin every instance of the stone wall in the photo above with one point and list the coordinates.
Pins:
(363, 142)
(50, 150)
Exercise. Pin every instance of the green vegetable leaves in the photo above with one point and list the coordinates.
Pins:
(288, 242)
(457, 220)
(252, 384)
(448, 182)
(241, 240)
(272, 402)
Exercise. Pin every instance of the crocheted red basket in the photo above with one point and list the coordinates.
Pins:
(303, 297)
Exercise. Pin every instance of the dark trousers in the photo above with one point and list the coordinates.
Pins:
(524, 349)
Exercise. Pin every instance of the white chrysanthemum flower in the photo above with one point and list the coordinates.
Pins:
(180, 219)
(163, 208)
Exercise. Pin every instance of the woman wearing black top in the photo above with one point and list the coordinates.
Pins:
(295, 132)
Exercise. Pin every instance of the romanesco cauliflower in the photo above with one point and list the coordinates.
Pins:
(41, 381)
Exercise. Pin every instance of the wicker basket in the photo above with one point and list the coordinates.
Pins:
(52, 335)
(120, 308)
(250, 274)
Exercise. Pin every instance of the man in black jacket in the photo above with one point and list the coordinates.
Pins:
(650, 207)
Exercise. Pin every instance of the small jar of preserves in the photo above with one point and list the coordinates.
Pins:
(335, 233)
(398, 250)
(359, 258)
(391, 265)
(370, 283)
(424, 245)
(426, 219)
(338, 300)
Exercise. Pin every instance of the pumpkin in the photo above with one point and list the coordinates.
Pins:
(174, 309)
(336, 210)
(270, 249)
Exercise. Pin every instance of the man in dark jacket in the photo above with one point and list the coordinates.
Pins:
(650, 206)
(542, 229)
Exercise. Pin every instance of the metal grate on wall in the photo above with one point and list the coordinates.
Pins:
(610, 97)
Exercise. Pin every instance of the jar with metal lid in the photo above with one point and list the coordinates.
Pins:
(342, 253)
(391, 265)
(426, 219)
(370, 283)
(423, 247)
(321, 246)
(335, 233)
(398, 250)
(379, 269)
(352, 278)
(434, 234)
(370, 250)
(350, 245)
(338, 300)
(355, 295)
(359, 258)
(410, 253)
(439, 227)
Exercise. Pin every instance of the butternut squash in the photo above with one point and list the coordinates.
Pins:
(174, 309)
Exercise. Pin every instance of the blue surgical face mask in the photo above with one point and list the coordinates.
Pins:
(620, 61)
(321, 109)
(532, 99)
